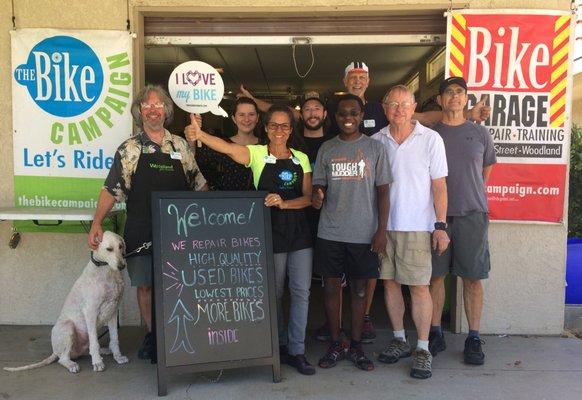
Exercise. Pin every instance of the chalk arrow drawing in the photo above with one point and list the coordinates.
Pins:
(180, 314)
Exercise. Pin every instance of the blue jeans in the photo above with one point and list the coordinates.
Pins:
(297, 265)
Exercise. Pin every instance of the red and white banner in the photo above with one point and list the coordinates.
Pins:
(521, 60)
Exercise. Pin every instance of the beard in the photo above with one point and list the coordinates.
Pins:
(314, 127)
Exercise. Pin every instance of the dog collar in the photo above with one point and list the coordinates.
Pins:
(97, 263)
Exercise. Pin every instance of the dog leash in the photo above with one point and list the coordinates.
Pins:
(144, 246)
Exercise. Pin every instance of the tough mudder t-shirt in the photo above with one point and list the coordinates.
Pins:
(350, 171)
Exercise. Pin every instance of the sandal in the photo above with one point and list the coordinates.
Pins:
(336, 352)
(357, 356)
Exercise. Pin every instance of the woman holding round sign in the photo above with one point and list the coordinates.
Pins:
(285, 173)
(221, 172)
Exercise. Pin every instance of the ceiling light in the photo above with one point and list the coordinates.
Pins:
(340, 93)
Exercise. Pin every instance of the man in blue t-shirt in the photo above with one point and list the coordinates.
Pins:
(470, 157)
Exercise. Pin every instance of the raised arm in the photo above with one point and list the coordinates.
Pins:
(262, 104)
(479, 113)
(239, 154)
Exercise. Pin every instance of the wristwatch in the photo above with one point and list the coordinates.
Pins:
(440, 226)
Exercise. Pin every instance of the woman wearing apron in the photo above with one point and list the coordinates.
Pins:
(285, 173)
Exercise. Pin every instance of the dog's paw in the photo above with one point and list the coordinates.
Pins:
(104, 351)
(99, 366)
(73, 367)
(121, 359)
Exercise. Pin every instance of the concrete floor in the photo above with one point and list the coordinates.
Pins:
(515, 368)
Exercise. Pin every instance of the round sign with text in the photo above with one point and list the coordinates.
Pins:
(196, 87)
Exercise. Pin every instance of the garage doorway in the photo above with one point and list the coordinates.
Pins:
(279, 58)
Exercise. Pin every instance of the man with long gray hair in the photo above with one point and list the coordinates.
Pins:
(152, 160)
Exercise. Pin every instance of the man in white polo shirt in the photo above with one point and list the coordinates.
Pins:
(418, 206)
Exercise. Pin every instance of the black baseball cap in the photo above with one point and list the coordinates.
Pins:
(452, 81)
(312, 96)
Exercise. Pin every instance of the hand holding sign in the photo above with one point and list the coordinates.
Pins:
(197, 87)
(192, 131)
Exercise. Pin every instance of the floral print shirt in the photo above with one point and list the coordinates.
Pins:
(118, 181)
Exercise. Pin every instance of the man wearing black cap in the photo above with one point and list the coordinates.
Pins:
(470, 157)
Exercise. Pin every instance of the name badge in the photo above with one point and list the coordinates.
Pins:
(295, 160)
(270, 159)
(369, 123)
(175, 155)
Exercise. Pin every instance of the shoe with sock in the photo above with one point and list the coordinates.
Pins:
(421, 364)
(436, 342)
(396, 350)
(473, 353)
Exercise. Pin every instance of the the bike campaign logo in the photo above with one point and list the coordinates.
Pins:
(63, 76)
(288, 178)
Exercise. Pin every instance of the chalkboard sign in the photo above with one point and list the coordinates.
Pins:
(214, 287)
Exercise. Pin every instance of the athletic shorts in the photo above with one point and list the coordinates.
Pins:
(139, 269)
(355, 260)
(408, 258)
(468, 252)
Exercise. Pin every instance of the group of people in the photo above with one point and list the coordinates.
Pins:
(363, 190)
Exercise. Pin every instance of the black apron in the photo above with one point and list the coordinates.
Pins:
(290, 228)
(155, 172)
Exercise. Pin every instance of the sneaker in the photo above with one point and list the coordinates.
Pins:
(436, 343)
(147, 349)
(301, 364)
(357, 356)
(368, 333)
(396, 350)
(473, 353)
(421, 364)
(336, 352)
(322, 334)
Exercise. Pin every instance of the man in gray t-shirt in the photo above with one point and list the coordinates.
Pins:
(351, 182)
(350, 170)
(470, 157)
(469, 149)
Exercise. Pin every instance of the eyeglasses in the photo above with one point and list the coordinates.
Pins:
(452, 92)
(145, 106)
(273, 126)
(405, 105)
(352, 113)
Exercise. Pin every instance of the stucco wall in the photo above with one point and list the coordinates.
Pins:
(525, 293)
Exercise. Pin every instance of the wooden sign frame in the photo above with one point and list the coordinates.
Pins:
(163, 370)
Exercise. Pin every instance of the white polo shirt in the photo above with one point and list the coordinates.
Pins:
(414, 163)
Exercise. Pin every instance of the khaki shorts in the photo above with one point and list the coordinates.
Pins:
(407, 259)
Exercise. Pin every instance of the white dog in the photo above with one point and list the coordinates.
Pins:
(92, 303)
